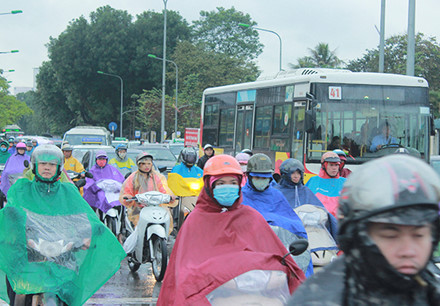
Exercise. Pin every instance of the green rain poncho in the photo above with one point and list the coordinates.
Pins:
(4, 155)
(44, 233)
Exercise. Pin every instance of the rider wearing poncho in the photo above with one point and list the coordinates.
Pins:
(4, 154)
(103, 173)
(50, 239)
(14, 168)
(259, 194)
(124, 163)
(297, 194)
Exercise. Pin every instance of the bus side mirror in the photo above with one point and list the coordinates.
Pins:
(310, 121)
(432, 125)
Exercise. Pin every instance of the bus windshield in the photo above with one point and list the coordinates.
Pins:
(368, 121)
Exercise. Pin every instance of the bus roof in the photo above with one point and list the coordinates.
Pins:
(312, 75)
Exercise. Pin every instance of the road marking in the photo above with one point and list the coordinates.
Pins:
(121, 301)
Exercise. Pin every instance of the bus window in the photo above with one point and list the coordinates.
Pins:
(298, 130)
(211, 115)
(263, 119)
(226, 137)
(282, 119)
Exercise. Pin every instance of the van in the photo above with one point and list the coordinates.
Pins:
(86, 135)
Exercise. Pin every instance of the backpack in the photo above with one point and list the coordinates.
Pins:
(322, 246)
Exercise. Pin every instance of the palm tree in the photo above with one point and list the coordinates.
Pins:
(321, 56)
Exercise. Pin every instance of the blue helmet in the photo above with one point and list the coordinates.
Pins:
(120, 146)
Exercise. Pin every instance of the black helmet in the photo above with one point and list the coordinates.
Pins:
(247, 151)
(291, 165)
(189, 156)
(397, 189)
(259, 163)
(47, 153)
(142, 156)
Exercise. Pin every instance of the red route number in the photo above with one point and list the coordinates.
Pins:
(334, 93)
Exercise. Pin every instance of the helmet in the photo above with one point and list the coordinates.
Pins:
(189, 156)
(101, 153)
(401, 151)
(260, 163)
(66, 147)
(222, 164)
(11, 139)
(142, 156)
(242, 158)
(341, 154)
(47, 153)
(291, 165)
(29, 143)
(120, 146)
(207, 146)
(331, 157)
(21, 145)
(247, 151)
(405, 183)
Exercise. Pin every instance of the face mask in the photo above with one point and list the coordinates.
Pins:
(101, 162)
(3, 149)
(261, 184)
(226, 194)
(122, 155)
(243, 168)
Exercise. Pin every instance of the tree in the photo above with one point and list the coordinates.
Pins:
(112, 43)
(12, 109)
(320, 57)
(219, 31)
(427, 62)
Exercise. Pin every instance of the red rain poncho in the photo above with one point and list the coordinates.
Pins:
(214, 247)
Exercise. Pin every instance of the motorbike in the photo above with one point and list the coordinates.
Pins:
(148, 242)
(258, 287)
(77, 179)
(115, 217)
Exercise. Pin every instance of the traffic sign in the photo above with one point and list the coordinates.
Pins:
(137, 134)
(112, 126)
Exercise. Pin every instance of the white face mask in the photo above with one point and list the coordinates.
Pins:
(243, 168)
(122, 155)
(261, 184)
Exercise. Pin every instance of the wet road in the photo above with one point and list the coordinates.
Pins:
(127, 288)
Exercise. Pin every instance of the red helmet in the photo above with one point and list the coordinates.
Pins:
(331, 157)
(222, 164)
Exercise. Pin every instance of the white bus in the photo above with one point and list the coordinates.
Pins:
(305, 112)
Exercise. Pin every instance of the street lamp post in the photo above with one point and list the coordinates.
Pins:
(177, 87)
(7, 52)
(245, 25)
(12, 12)
(122, 95)
(162, 123)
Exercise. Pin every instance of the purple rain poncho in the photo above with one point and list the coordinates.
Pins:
(13, 170)
(102, 191)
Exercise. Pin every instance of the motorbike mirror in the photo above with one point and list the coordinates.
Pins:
(162, 169)
(26, 163)
(298, 247)
(80, 183)
(88, 174)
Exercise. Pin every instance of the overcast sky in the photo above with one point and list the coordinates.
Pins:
(346, 25)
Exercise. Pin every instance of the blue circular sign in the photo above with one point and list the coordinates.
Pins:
(112, 126)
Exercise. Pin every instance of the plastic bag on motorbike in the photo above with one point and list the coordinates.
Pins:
(153, 198)
(261, 287)
(321, 243)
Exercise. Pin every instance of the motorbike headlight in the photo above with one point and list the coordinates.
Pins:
(195, 186)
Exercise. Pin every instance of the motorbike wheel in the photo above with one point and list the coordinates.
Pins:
(160, 261)
(133, 265)
(110, 222)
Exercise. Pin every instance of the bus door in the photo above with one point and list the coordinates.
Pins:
(244, 128)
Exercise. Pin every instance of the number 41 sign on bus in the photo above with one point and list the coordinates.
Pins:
(334, 93)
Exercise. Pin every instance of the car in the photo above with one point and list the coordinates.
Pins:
(40, 139)
(175, 148)
(119, 140)
(162, 156)
(82, 135)
(434, 160)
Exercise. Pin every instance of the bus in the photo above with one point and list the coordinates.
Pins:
(305, 112)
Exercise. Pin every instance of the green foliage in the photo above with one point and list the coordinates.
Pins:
(320, 57)
(12, 109)
(427, 62)
(219, 31)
